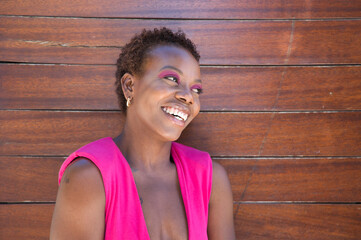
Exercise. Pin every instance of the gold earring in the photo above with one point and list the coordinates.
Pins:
(128, 102)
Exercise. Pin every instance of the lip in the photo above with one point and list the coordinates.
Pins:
(179, 107)
(172, 118)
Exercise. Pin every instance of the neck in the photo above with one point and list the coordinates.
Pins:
(143, 151)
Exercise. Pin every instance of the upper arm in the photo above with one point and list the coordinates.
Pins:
(80, 204)
(220, 216)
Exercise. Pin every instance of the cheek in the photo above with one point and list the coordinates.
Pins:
(153, 95)
(197, 106)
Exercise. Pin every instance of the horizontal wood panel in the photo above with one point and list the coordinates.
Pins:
(325, 134)
(186, 9)
(221, 134)
(54, 133)
(299, 179)
(29, 179)
(252, 221)
(241, 89)
(299, 221)
(25, 221)
(246, 39)
(57, 87)
(324, 42)
(97, 41)
(60, 133)
(320, 88)
(13, 51)
(316, 180)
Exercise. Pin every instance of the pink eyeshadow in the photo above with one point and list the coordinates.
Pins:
(196, 86)
(168, 73)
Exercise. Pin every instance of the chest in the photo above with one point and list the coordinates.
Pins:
(162, 205)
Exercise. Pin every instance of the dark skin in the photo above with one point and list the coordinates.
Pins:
(146, 143)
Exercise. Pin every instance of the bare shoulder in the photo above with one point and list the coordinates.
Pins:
(81, 181)
(218, 170)
(220, 177)
(80, 203)
(81, 171)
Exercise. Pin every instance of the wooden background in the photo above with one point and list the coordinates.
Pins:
(281, 109)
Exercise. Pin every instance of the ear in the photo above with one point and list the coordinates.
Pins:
(127, 82)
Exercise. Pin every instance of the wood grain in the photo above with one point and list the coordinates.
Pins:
(241, 89)
(313, 134)
(60, 133)
(325, 42)
(30, 179)
(221, 134)
(287, 179)
(36, 52)
(34, 179)
(320, 88)
(298, 221)
(25, 221)
(238, 38)
(54, 133)
(253, 221)
(97, 41)
(57, 87)
(243, 9)
(295, 179)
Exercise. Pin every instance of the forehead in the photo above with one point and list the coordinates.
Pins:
(178, 57)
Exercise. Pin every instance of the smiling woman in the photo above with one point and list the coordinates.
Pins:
(141, 184)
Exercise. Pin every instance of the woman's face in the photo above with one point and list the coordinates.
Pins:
(166, 96)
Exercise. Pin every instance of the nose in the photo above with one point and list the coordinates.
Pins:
(185, 96)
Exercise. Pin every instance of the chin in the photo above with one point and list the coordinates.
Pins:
(171, 135)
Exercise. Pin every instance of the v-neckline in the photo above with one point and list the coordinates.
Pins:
(184, 191)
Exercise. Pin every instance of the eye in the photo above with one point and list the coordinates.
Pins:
(197, 90)
(172, 78)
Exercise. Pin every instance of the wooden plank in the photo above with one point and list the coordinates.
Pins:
(241, 89)
(314, 134)
(298, 221)
(25, 221)
(320, 88)
(323, 42)
(29, 179)
(60, 133)
(36, 52)
(221, 134)
(246, 39)
(57, 87)
(97, 41)
(41, 129)
(316, 179)
(243, 9)
(252, 221)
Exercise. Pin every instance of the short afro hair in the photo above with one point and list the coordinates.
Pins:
(135, 52)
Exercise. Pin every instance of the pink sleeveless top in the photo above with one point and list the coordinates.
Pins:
(123, 211)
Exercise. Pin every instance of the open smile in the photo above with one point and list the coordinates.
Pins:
(180, 116)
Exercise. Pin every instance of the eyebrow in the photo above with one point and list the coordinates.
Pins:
(178, 70)
(171, 67)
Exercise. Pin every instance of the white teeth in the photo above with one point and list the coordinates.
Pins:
(177, 114)
(183, 115)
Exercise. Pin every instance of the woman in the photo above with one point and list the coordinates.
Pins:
(142, 185)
